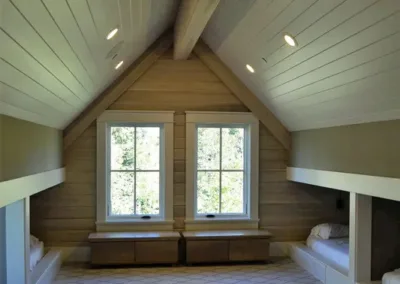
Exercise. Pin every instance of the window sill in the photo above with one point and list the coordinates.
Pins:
(221, 224)
(134, 225)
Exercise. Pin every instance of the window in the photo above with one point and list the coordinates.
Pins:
(135, 174)
(135, 169)
(221, 170)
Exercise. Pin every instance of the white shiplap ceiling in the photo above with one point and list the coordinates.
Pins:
(345, 69)
(54, 56)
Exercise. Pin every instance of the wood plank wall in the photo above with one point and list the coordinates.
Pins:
(65, 215)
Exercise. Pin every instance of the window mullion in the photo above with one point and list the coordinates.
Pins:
(134, 173)
(220, 169)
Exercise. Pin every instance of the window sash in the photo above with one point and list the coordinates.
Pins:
(244, 170)
(161, 171)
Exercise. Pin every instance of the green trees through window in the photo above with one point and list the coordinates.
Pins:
(220, 170)
(134, 181)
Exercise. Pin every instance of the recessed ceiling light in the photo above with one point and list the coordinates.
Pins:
(119, 65)
(112, 33)
(290, 40)
(251, 69)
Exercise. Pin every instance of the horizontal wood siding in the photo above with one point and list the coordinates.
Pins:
(65, 215)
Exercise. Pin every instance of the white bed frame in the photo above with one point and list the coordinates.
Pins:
(316, 265)
(47, 268)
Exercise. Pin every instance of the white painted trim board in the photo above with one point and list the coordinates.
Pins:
(20, 188)
(382, 187)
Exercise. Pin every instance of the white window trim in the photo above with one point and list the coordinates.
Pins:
(194, 118)
(111, 117)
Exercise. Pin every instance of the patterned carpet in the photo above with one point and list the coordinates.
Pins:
(280, 272)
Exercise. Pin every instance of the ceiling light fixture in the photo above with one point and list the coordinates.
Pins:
(119, 65)
(112, 33)
(251, 69)
(290, 40)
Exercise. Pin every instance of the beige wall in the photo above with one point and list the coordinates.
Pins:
(28, 148)
(370, 148)
(64, 216)
(25, 148)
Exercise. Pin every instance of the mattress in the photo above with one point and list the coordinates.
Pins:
(336, 251)
(391, 277)
(37, 252)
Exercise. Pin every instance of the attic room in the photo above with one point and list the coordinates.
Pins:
(199, 141)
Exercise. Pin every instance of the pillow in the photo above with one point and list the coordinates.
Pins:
(330, 231)
(34, 241)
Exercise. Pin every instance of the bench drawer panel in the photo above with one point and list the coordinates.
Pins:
(113, 253)
(247, 250)
(207, 251)
(156, 252)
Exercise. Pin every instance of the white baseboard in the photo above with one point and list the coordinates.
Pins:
(74, 254)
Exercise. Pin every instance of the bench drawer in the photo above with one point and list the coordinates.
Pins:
(113, 253)
(248, 250)
(156, 252)
(207, 251)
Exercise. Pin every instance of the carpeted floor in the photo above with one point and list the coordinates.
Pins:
(280, 272)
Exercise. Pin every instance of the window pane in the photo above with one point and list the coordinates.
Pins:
(148, 148)
(122, 193)
(208, 146)
(207, 192)
(232, 192)
(122, 148)
(148, 193)
(232, 148)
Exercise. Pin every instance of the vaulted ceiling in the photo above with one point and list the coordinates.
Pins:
(55, 58)
(345, 69)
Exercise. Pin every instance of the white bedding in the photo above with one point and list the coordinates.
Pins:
(391, 277)
(37, 252)
(334, 250)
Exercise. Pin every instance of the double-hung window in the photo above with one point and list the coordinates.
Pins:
(221, 169)
(134, 178)
(134, 171)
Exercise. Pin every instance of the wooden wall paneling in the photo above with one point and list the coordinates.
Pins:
(69, 208)
(289, 210)
(141, 65)
(243, 93)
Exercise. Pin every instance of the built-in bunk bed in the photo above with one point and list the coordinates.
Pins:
(371, 251)
(325, 253)
(43, 266)
(27, 260)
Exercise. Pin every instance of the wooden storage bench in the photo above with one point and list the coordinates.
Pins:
(134, 248)
(225, 246)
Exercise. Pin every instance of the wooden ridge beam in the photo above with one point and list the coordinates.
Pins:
(239, 89)
(113, 92)
(192, 18)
